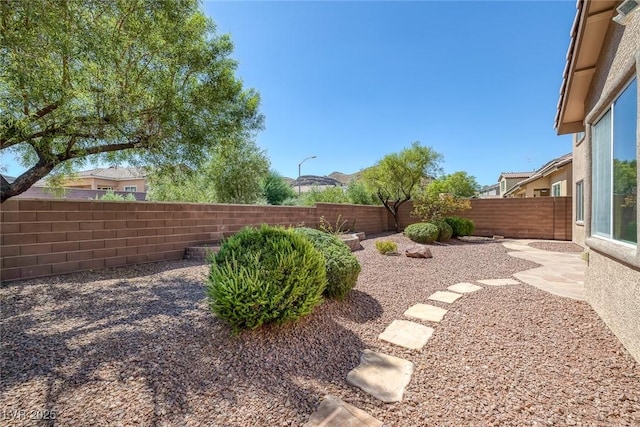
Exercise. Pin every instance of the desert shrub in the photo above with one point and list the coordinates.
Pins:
(326, 195)
(461, 226)
(422, 232)
(265, 275)
(432, 207)
(341, 226)
(111, 196)
(341, 266)
(386, 247)
(444, 230)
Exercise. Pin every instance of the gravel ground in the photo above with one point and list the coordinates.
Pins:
(557, 246)
(137, 346)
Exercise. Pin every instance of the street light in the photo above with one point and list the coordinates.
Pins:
(299, 166)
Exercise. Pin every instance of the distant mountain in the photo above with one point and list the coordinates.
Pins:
(341, 178)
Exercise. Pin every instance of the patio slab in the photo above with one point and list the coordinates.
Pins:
(498, 282)
(444, 296)
(464, 288)
(427, 312)
(407, 334)
(382, 376)
(334, 412)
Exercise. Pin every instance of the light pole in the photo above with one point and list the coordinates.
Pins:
(299, 167)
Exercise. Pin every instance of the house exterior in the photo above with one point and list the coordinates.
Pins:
(128, 179)
(507, 180)
(553, 179)
(489, 191)
(599, 105)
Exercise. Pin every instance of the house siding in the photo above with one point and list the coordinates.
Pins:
(613, 276)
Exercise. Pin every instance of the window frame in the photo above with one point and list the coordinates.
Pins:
(579, 207)
(129, 187)
(609, 108)
(557, 185)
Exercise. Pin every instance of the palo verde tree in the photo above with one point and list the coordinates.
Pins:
(143, 81)
(395, 178)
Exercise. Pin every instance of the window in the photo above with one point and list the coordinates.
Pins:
(579, 202)
(132, 188)
(555, 189)
(579, 137)
(615, 169)
(503, 186)
(102, 187)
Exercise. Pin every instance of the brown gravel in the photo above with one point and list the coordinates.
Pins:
(557, 246)
(137, 346)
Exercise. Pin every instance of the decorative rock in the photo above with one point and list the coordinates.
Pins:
(418, 251)
(350, 240)
(360, 235)
(427, 312)
(382, 376)
(334, 412)
(444, 296)
(407, 334)
(463, 288)
(498, 282)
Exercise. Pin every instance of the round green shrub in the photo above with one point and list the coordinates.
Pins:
(461, 226)
(422, 232)
(444, 231)
(265, 275)
(386, 247)
(341, 266)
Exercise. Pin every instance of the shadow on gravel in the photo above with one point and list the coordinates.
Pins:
(359, 307)
(88, 345)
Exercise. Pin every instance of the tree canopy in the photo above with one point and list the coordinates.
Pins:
(234, 172)
(143, 81)
(395, 178)
(276, 190)
(459, 184)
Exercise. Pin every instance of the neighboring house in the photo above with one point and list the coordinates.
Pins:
(489, 191)
(552, 179)
(507, 180)
(599, 104)
(128, 179)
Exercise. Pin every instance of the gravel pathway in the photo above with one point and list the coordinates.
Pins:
(137, 346)
(557, 246)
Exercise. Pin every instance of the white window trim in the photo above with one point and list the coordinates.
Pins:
(557, 185)
(127, 188)
(581, 183)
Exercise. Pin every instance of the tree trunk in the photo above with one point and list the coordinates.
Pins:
(24, 181)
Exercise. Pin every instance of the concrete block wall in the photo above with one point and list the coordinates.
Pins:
(521, 218)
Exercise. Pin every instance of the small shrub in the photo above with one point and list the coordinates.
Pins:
(111, 196)
(461, 226)
(386, 247)
(422, 232)
(265, 275)
(340, 226)
(341, 266)
(444, 231)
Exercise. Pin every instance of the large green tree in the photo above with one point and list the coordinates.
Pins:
(234, 172)
(276, 190)
(460, 184)
(395, 178)
(143, 81)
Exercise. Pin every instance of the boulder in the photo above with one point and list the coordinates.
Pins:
(418, 251)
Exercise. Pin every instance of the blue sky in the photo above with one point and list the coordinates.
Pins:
(352, 81)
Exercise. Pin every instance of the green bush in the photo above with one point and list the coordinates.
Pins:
(341, 266)
(386, 247)
(422, 232)
(444, 230)
(265, 275)
(461, 226)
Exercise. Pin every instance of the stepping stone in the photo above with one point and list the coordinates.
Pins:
(382, 376)
(444, 296)
(333, 412)
(498, 282)
(427, 312)
(407, 334)
(464, 288)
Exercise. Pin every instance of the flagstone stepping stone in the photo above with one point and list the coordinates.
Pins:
(464, 288)
(334, 412)
(498, 282)
(382, 376)
(444, 296)
(427, 312)
(407, 334)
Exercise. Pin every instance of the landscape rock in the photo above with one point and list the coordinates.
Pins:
(418, 251)
(334, 412)
(382, 376)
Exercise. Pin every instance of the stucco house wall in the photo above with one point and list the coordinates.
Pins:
(579, 174)
(613, 276)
